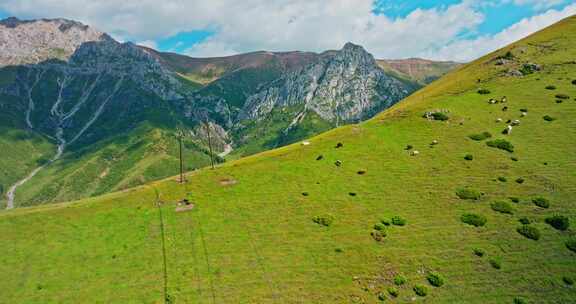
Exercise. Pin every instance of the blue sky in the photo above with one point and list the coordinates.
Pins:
(447, 29)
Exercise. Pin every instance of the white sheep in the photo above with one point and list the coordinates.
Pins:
(415, 152)
(498, 119)
(508, 130)
(524, 114)
(516, 122)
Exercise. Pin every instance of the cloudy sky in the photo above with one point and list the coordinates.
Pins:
(443, 29)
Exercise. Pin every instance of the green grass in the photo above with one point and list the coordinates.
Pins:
(254, 241)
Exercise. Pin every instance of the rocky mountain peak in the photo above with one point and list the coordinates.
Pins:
(34, 41)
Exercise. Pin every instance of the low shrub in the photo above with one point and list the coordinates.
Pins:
(480, 136)
(379, 227)
(574, 82)
(483, 91)
(440, 116)
(501, 144)
(468, 157)
(518, 300)
(324, 220)
(479, 252)
(568, 280)
(502, 179)
(550, 87)
(420, 290)
(529, 231)
(562, 96)
(495, 264)
(386, 222)
(559, 222)
(435, 279)
(548, 118)
(393, 291)
(468, 194)
(571, 245)
(338, 250)
(502, 207)
(378, 235)
(514, 199)
(541, 202)
(524, 220)
(400, 280)
(476, 220)
(520, 180)
(398, 220)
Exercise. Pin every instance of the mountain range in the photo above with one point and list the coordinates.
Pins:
(83, 114)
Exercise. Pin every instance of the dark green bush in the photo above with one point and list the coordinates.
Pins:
(468, 194)
(398, 220)
(440, 116)
(502, 179)
(473, 219)
(338, 250)
(571, 244)
(574, 81)
(501, 144)
(524, 220)
(386, 222)
(324, 220)
(468, 157)
(514, 199)
(483, 91)
(420, 290)
(502, 207)
(379, 227)
(480, 136)
(393, 291)
(435, 279)
(378, 235)
(559, 222)
(548, 118)
(520, 180)
(400, 280)
(562, 96)
(550, 87)
(568, 280)
(529, 231)
(495, 264)
(479, 252)
(541, 202)
(518, 300)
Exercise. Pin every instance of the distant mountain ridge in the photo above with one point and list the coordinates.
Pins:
(106, 110)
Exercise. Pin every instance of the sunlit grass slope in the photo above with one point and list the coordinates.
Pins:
(251, 237)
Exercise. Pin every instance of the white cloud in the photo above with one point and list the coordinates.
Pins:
(309, 25)
(539, 4)
(148, 43)
(463, 50)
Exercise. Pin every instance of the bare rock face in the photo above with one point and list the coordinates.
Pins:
(30, 42)
(345, 85)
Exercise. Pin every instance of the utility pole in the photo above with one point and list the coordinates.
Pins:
(180, 135)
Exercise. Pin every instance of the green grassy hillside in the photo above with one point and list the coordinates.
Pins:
(288, 226)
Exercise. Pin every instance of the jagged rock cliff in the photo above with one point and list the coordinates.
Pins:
(345, 85)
